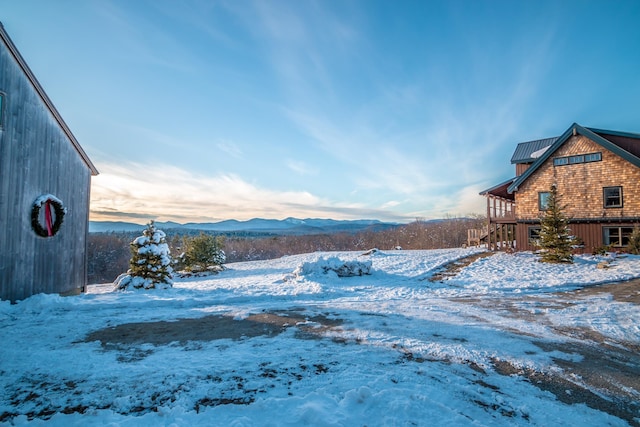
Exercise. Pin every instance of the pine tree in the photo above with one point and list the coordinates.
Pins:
(202, 253)
(555, 240)
(150, 264)
(634, 241)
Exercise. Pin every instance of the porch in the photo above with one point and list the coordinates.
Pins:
(501, 218)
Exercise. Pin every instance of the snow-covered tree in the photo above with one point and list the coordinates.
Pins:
(150, 264)
(555, 240)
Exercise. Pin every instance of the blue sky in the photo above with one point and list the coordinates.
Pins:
(390, 110)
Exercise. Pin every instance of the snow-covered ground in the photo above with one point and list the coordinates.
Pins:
(287, 342)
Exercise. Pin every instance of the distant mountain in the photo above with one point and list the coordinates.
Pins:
(256, 225)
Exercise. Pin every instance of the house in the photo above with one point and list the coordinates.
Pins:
(597, 174)
(44, 188)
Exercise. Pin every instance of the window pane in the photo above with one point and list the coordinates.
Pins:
(559, 161)
(1, 104)
(612, 197)
(594, 157)
(625, 234)
(612, 236)
(576, 159)
(534, 233)
(543, 200)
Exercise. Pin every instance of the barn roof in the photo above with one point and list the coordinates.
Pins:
(624, 144)
(40, 91)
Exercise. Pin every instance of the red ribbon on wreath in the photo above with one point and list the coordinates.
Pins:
(47, 217)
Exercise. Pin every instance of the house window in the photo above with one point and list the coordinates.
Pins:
(543, 200)
(574, 160)
(593, 157)
(534, 234)
(616, 236)
(612, 197)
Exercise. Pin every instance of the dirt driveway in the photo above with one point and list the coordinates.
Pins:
(604, 375)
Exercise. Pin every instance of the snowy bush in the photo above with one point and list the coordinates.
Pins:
(150, 264)
(201, 253)
(334, 264)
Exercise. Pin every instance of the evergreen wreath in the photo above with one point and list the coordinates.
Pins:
(58, 209)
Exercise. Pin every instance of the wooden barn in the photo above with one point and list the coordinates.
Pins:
(44, 188)
(597, 174)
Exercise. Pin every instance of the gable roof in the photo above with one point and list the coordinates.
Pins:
(4, 37)
(525, 151)
(597, 136)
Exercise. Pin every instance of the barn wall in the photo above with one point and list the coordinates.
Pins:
(36, 158)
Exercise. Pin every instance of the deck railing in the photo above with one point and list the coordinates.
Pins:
(501, 209)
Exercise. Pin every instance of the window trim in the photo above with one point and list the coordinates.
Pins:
(540, 195)
(604, 197)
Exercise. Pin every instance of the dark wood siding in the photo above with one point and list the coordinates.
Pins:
(36, 158)
(522, 168)
(590, 233)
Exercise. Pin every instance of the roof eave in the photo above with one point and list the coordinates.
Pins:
(615, 133)
(488, 190)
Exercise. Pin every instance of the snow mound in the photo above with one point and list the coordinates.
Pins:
(127, 282)
(334, 265)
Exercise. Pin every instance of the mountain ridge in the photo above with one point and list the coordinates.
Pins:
(255, 225)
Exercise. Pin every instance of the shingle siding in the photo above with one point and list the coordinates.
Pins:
(581, 185)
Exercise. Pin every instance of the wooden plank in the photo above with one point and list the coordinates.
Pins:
(36, 158)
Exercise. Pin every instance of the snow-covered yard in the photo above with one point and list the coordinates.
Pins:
(290, 342)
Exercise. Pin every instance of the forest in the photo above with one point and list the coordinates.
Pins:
(109, 253)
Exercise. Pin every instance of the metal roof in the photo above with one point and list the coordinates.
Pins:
(524, 150)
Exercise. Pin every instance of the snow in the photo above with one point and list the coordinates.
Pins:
(385, 347)
(42, 199)
(540, 152)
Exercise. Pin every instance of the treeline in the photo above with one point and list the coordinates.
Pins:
(109, 254)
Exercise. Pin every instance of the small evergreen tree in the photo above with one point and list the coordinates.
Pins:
(202, 252)
(634, 241)
(150, 264)
(555, 240)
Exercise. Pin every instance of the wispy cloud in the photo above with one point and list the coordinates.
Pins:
(141, 40)
(300, 167)
(230, 148)
(169, 193)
